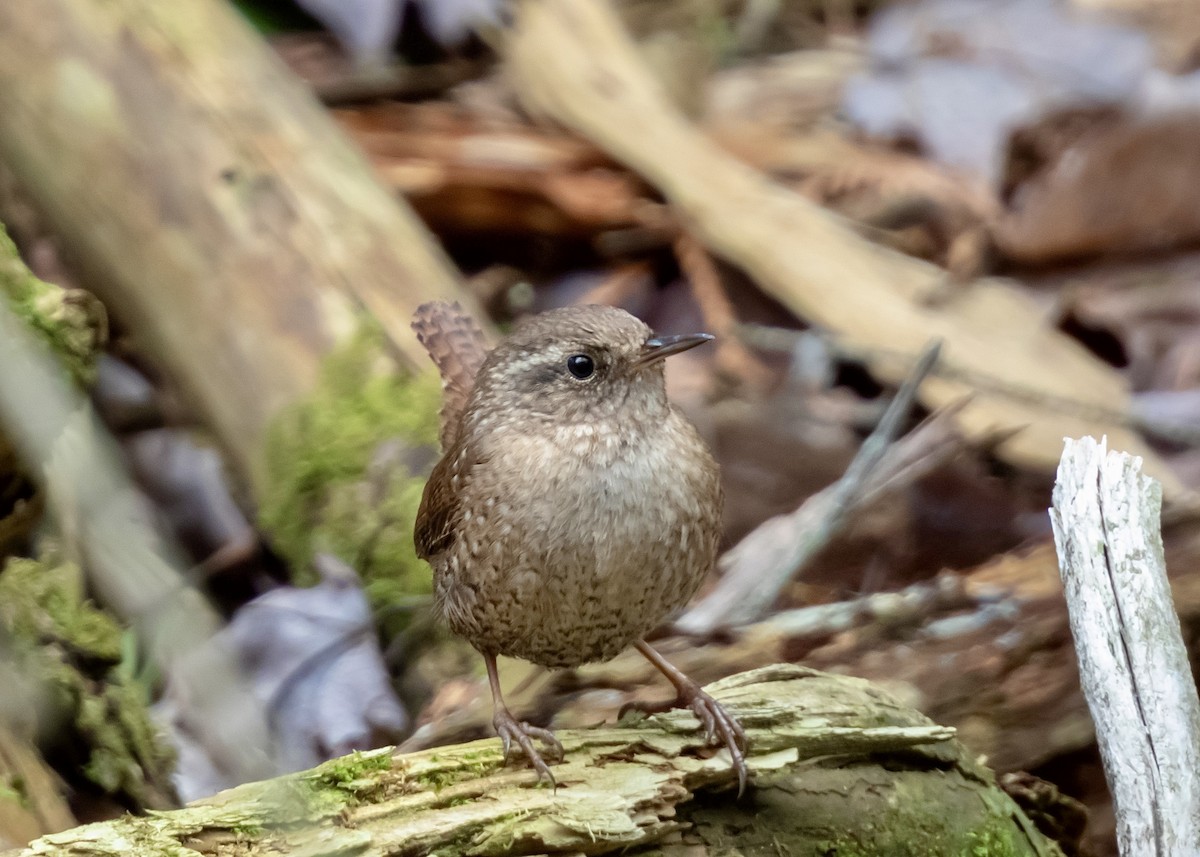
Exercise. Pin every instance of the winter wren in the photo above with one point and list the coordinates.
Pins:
(574, 508)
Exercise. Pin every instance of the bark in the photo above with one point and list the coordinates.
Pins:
(837, 766)
(209, 199)
(1132, 659)
(30, 803)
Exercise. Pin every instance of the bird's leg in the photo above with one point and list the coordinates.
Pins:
(719, 725)
(512, 730)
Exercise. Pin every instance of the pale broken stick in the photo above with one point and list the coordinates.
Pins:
(1133, 664)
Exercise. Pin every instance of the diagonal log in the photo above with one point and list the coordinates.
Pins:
(209, 200)
(571, 62)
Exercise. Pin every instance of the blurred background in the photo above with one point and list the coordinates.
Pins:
(220, 217)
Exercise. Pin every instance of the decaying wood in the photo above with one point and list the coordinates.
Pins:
(37, 807)
(1133, 663)
(989, 653)
(1120, 189)
(209, 198)
(571, 61)
(835, 765)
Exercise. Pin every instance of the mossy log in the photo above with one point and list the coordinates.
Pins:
(61, 663)
(74, 325)
(837, 767)
(210, 202)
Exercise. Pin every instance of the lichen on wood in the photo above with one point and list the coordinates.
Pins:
(837, 767)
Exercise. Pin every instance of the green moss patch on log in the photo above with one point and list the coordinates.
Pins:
(72, 322)
(854, 807)
(347, 467)
(71, 654)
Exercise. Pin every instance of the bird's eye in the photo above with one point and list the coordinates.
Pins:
(581, 366)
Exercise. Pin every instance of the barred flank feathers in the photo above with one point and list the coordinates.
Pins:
(457, 346)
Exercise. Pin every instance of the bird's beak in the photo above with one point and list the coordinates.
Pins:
(659, 347)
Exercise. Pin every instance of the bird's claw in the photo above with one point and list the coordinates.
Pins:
(719, 728)
(523, 735)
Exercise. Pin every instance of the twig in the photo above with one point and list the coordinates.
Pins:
(701, 271)
(850, 486)
(779, 339)
(758, 567)
(1132, 661)
(397, 81)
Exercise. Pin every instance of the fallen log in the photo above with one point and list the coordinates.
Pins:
(210, 201)
(837, 767)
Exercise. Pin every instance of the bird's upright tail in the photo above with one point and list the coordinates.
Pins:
(457, 346)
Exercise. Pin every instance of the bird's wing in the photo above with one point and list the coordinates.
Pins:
(458, 346)
(437, 516)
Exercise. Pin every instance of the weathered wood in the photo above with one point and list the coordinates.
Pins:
(209, 200)
(30, 803)
(1133, 663)
(571, 61)
(837, 767)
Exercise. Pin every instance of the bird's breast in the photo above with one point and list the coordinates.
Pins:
(573, 545)
(603, 494)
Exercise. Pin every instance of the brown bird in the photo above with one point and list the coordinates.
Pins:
(574, 508)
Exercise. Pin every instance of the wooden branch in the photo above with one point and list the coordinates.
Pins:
(836, 765)
(755, 570)
(209, 200)
(571, 61)
(1133, 663)
(37, 807)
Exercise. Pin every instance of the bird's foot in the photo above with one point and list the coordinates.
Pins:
(520, 733)
(720, 727)
(648, 708)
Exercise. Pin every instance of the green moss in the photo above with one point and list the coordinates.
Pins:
(270, 16)
(73, 651)
(74, 326)
(247, 831)
(72, 322)
(995, 839)
(435, 781)
(332, 487)
(40, 600)
(13, 791)
(354, 767)
(892, 805)
(354, 776)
